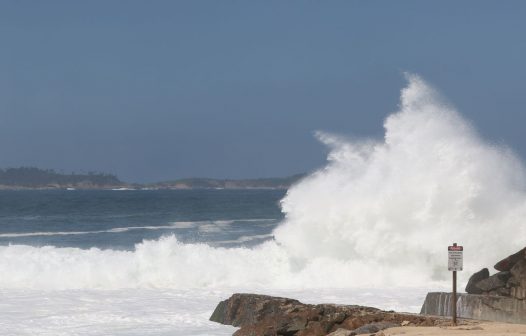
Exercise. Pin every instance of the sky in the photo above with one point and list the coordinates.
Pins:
(159, 90)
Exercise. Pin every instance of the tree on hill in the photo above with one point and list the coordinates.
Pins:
(32, 177)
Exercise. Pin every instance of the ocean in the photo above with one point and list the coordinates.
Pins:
(107, 262)
(120, 219)
(61, 254)
(371, 227)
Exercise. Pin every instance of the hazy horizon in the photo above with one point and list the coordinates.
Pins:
(166, 90)
(83, 172)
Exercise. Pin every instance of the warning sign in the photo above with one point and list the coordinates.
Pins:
(455, 258)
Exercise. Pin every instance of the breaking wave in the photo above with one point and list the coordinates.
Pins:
(200, 225)
(380, 213)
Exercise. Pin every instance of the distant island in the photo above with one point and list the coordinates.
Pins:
(208, 183)
(36, 178)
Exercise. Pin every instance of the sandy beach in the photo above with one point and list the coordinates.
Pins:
(477, 328)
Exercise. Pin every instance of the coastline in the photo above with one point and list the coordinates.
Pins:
(132, 188)
(37, 179)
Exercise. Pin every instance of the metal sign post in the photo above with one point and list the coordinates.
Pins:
(455, 261)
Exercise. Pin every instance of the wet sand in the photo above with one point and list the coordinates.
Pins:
(471, 329)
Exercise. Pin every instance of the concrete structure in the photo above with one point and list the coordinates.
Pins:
(479, 307)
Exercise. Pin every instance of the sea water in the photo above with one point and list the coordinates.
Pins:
(144, 262)
(371, 227)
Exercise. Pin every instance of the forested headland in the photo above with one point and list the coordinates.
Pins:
(36, 178)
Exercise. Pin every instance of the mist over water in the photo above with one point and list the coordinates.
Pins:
(381, 213)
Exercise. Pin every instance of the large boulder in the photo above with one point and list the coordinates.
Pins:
(507, 263)
(510, 281)
(471, 287)
(266, 315)
(493, 282)
(244, 309)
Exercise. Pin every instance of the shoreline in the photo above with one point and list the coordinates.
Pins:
(130, 188)
(474, 328)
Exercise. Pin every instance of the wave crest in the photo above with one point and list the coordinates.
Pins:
(399, 202)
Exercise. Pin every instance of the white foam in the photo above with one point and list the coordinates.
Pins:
(103, 312)
(246, 239)
(159, 312)
(168, 263)
(391, 207)
(205, 226)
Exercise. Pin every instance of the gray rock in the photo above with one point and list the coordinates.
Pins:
(504, 276)
(503, 291)
(471, 287)
(341, 332)
(219, 314)
(513, 281)
(519, 270)
(507, 263)
(372, 328)
(492, 283)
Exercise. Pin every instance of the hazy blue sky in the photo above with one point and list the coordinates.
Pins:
(154, 90)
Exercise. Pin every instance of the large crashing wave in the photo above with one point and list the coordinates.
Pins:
(381, 213)
(398, 203)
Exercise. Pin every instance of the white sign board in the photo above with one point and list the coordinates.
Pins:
(455, 258)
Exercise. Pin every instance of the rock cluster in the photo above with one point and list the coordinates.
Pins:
(509, 281)
(261, 315)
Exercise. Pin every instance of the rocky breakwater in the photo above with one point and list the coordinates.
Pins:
(497, 297)
(510, 281)
(261, 315)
